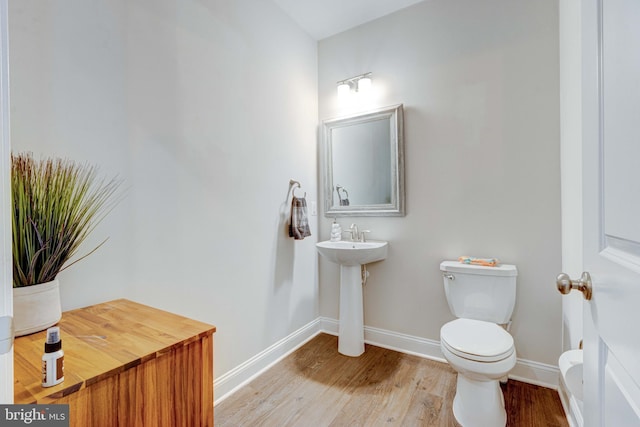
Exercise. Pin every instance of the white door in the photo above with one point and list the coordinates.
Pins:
(611, 210)
(6, 266)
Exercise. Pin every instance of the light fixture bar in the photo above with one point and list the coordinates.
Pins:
(353, 80)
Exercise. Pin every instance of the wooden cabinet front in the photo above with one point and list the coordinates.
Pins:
(126, 364)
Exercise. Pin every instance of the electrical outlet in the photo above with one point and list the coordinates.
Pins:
(313, 208)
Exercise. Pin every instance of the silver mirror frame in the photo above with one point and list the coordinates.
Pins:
(394, 114)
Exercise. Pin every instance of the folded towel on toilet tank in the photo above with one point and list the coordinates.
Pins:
(487, 262)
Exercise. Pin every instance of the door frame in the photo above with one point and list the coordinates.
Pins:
(6, 265)
(570, 43)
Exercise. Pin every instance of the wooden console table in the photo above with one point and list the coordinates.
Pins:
(126, 364)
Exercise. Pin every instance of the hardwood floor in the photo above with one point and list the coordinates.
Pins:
(316, 386)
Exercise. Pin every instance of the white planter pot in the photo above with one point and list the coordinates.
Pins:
(36, 307)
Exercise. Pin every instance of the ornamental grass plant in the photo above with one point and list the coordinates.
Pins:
(57, 203)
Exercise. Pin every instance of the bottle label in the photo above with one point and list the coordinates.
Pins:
(52, 370)
(60, 368)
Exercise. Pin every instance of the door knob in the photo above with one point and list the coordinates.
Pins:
(565, 284)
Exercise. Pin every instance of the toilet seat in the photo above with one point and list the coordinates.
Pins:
(477, 340)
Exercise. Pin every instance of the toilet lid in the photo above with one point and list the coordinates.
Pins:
(477, 340)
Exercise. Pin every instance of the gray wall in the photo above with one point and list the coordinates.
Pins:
(480, 86)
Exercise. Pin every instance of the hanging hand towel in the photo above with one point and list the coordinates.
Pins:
(487, 262)
(299, 225)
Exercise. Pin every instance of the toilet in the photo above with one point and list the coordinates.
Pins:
(476, 344)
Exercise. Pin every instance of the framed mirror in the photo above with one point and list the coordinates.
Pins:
(364, 164)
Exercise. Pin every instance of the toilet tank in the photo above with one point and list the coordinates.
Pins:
(478, 292)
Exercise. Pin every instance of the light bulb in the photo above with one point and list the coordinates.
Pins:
(343, 90)
(364, 84)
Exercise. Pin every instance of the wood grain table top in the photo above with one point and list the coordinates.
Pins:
(100, 341)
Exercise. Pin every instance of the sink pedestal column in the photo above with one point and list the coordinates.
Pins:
(351, 322)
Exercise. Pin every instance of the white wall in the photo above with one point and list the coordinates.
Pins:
(222, 98)
(480, 85)
(68, 100)
(207, 109)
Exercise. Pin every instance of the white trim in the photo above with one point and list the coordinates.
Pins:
(231, 381)
(571, 407)
(6, 263)
(536, 373)
(408, 344)
(525, 370)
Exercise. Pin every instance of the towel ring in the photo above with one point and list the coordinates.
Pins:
(294, 192)
(292, 187)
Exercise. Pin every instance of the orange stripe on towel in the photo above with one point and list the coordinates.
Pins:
(487, 262)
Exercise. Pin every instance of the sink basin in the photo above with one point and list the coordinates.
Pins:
(353, 253)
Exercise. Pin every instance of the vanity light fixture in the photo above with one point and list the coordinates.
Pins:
(360, 83)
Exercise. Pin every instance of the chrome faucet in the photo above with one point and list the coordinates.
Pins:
(357, 236)
(354, 233)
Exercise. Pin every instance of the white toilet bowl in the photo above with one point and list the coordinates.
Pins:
(482, 353)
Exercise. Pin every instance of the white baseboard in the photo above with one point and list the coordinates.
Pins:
(408, 344)
(571, 407)
(231, 381)
(536, 373)
(525, 370)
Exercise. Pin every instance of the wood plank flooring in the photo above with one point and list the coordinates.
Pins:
(316, 386)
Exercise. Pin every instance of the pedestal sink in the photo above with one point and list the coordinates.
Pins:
(352, 256)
